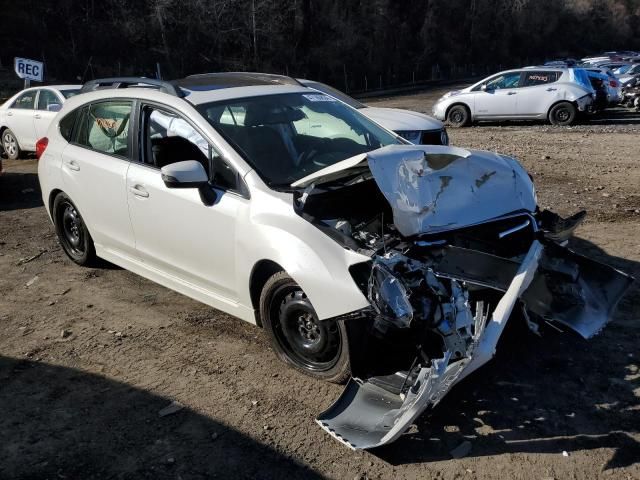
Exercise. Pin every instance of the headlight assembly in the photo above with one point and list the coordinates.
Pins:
(389, 297)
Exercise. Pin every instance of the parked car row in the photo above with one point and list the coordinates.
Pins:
(558, 91)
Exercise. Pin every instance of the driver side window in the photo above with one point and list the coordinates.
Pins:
(169, 138)
(505, 80)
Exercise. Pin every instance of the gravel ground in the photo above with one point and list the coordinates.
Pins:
(89, 358)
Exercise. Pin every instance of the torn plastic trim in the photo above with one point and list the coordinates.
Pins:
(367, 416)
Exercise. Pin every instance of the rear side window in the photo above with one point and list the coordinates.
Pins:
(67, 123)
(538, 77)
(46, 98)
(104, 127)
(26, 101)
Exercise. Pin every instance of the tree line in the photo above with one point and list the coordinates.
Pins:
(352, 44)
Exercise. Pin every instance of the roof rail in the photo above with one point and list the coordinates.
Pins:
(126, 82)
(237, 79)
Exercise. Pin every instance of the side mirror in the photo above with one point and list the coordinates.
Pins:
(54, 107)
(187, 174)
(483, 87)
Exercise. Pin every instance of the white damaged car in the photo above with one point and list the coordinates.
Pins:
(362, 256)
(554, 94)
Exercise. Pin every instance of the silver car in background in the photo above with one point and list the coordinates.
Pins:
(531, 93)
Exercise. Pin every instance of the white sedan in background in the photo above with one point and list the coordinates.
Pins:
(26, 116)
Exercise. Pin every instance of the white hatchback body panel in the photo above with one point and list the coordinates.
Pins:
(170, 237)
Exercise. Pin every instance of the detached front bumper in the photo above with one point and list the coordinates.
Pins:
(552, 283)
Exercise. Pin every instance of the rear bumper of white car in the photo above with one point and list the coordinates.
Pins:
(584, 102)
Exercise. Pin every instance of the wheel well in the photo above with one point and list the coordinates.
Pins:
(52, 196)
(559, 102)
(446, 114)
(261, 272)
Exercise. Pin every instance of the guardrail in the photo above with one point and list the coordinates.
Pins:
(414, 87)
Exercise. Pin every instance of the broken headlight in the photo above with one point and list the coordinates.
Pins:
(389, 297)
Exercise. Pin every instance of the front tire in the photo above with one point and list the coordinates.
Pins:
(563, 114)
(10, 145)
(318, 348)
(72, 232)
(458, 116)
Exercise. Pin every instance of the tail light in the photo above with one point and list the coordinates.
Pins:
(613, 83)
(41, 146)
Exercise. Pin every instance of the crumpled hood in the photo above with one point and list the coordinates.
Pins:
(401, 120)
(435, 188)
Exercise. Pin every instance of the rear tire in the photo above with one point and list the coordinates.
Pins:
(10, 145)
(72, 232)
(318, 348)
(563, 114)
(458, 116)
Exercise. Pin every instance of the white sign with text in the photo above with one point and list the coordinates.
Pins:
(29, 69)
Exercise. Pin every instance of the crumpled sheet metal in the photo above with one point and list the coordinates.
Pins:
(366, 416)
(431, 188)
(552, 281)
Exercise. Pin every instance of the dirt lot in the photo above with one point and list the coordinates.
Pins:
(89, 357)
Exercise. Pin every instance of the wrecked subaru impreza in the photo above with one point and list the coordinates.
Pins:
(361, 256)
(456, 245)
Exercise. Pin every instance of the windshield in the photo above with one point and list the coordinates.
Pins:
(335, 93)
(289, 136)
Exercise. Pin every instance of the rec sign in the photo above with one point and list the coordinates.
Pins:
(29, 69)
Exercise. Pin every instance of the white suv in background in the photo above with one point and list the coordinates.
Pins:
(26, 116)
(532, 93)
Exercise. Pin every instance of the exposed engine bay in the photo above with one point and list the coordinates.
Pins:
(441, 292)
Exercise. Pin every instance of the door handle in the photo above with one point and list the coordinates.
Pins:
(9, 114)
(551, 89)
(139, 191)
(512, 93)
(72, 165)
(37, 115)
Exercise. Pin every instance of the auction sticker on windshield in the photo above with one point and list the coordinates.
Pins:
(318, 97)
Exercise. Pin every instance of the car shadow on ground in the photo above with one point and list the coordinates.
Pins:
(19, 191)
(60, 422)
(543, 395)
